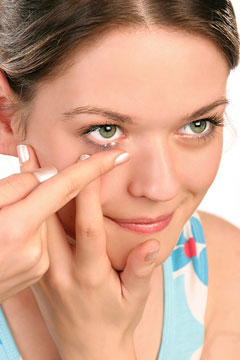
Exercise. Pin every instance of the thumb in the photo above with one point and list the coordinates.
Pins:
(138, 271)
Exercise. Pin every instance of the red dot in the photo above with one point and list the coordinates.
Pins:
(190, 248)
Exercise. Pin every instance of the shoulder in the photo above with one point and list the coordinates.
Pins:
(223, 245)
(215, 225)
(223, 249)
(222, 320)
(222, 237)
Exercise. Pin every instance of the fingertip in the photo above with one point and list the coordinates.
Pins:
(118, 160)
(23, 153)
(27, 158)
(121, 159)
(103, 162)
(43, 174)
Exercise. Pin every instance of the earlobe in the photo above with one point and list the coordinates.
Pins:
(8, 141)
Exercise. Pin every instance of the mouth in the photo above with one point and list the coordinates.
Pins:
(144, 225)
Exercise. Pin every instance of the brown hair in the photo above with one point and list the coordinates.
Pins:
(37, 36)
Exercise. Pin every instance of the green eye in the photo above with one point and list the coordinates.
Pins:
(107, 131)
(198, 127)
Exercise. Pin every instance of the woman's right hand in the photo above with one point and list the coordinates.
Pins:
(24, 204)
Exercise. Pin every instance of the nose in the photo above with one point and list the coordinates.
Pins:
(154, 175)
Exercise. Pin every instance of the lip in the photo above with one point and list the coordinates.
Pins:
(144, 225)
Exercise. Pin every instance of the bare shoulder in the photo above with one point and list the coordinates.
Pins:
(215, 226)
(222, 320)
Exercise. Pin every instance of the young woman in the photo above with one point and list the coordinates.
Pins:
(117, 109)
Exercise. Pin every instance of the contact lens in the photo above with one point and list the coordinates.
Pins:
(109, 146)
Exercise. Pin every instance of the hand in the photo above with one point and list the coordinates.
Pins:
(90, 309)
(25, 205)
(23, 253)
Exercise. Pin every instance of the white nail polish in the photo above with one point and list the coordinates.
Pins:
(122, 158)
(84, 157)
(23, 154)
(44, 174)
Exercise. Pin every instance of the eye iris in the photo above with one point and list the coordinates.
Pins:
(198, 126)
(108, 131)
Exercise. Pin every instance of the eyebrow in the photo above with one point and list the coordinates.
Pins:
(123, 118)
(95, 110)
(207, 108)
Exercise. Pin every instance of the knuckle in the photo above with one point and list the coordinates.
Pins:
(88, 278)
(41, 268)
(89, 232)
(12, 182)
(60, 283)
(142, 274)
(31, 256)
(14, 228)
(91, 281)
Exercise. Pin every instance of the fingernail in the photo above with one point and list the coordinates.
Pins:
(84, 157)
(122, 158)
(23, 154)
(44, 174)
(152, 255)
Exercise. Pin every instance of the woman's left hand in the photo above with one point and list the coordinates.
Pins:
(91, 310)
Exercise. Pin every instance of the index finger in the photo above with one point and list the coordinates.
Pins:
(52, 195)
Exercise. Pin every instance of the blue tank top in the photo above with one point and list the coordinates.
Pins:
(185, 295)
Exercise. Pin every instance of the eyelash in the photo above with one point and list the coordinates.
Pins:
(83, 132)
(215, 122)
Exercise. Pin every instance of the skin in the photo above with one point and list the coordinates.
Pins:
(167, 173)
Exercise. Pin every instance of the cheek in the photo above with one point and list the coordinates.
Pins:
(113, 185)
(198, 170)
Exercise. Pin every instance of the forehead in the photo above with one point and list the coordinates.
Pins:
(145, 72)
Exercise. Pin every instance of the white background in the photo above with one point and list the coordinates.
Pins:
(223, 197)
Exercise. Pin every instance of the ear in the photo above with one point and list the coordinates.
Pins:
(9, 138)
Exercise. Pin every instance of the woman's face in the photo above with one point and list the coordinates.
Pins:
(163, 81)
